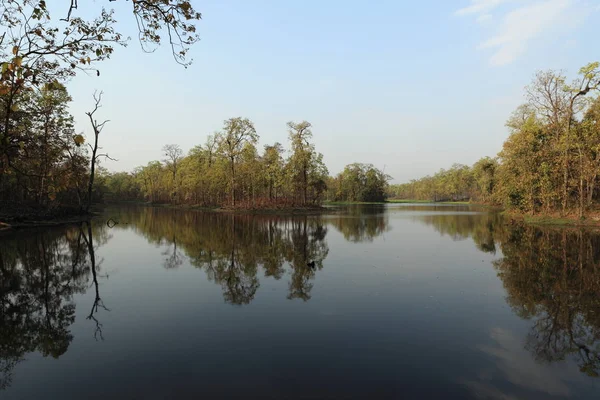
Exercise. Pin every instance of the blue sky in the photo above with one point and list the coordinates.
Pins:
(409, 86)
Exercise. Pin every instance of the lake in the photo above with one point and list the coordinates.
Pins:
(390, 301)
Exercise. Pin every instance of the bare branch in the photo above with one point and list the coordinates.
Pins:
(106, 156)
(72, 7)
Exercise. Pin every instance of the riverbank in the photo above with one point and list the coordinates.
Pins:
(394, 201)
(405, 201)
(21, 216)
(18, 217)
(590, 220)
(296, 210)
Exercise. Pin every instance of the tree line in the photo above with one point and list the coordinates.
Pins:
(229, 171)
(550, 161)
(44, 163)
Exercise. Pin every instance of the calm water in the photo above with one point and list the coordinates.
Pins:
(403, 301)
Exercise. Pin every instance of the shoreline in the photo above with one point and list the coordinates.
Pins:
(28, 222)
(403, 201)
(591, 221)
(14, 221)
(310, 210)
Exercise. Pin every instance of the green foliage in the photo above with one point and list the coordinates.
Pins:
(550, 161)
(229, 171)
(458, 183)
(305, 167)
(359, 183)
(42, 161)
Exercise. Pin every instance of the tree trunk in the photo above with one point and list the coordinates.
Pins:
(92, 170)
(304, 185)
(581, 192)
(232, 182)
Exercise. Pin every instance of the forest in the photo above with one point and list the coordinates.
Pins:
(49, 169)
(46, 168)
(549, 163)
(228, 171)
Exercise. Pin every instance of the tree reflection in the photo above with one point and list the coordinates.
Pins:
(361, 223)
(551, 276)
(40, 272)
(483, 228)
(306, 246)
(98, 303)
(233, 249)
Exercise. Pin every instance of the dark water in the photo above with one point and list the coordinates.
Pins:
(402, 302)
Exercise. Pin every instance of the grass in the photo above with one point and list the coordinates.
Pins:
(552, 220)
(394, 201)
(343, 203)
(545, 220)
(404, 201)
(430, 202)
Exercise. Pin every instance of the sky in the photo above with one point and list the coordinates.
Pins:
(408, 86)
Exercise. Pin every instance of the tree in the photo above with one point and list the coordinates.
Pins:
(303, 154)
(484, 174)
(589, 137)
(42, 143)
(557, 103)
(361, 182)
(236, 133)
(97, 128)
(40, 55)
(173, 154)
(550, 160)
(274, 168)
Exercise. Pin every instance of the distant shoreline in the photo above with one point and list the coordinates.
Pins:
(15, 220)
(296, 210)
(393, 201)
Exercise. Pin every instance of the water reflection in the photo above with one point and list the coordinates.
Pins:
(551, 277)
(40, 271)
(232, 248)
(361, 223)
(482, 227)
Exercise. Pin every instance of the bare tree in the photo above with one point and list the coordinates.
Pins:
(97, 128)
(98, 303)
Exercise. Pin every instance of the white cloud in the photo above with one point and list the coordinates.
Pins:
(516, 365)
(523, 22)
(520, 368)
(483, 18)
(480, 7)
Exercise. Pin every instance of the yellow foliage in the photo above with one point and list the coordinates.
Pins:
(79, 140)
